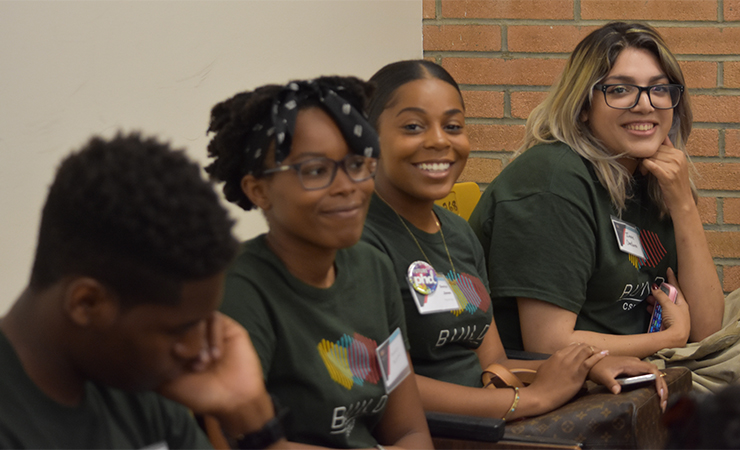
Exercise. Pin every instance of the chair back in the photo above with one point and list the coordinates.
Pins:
(462, 199)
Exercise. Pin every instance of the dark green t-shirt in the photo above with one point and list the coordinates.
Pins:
(106, 417)
(317, 346)
(442, 343)
(545, 224)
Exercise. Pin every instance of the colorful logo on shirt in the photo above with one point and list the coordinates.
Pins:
(351, 360)
(653, 248)
(470, 291)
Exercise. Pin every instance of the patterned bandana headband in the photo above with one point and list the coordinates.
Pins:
(356, 130)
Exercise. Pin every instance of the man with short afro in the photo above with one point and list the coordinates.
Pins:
(121, 303)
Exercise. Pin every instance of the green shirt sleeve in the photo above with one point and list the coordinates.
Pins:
(239, 303)
(542, 247)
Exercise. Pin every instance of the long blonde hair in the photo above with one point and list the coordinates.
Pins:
(557, 118)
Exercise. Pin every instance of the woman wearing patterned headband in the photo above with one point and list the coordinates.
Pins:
(419, 113)
(599, 209)
(323, 313)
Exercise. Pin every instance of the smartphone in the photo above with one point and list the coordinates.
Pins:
(626, 381)
(656, 320)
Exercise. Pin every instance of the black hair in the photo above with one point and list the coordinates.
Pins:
(135, 215)
(710, 420)
(394, 75)
(233, 121)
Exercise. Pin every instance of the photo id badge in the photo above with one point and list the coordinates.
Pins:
(427, 301)
(393, 362)
(628, 237)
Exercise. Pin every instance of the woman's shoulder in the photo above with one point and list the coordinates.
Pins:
(367, 264)
(253, 253)
(453, 221)
(555, 157)
(362, 253)
(381, 223)
(554, 168)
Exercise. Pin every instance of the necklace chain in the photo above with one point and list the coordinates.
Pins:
(403, 222)
(444, 242)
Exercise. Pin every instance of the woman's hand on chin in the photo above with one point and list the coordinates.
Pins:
(671, 168)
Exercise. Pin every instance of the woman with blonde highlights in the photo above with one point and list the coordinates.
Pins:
(599, 208)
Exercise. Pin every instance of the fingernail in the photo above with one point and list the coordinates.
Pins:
(615, 389)
(605, 352)
(215, 352)
(655, 286)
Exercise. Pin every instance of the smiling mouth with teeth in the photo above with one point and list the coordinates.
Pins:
(640, 127)
(434, 167)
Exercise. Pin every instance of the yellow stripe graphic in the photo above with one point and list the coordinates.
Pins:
(335, 359)
(461, 300)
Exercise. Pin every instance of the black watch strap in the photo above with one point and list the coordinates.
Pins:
(270, 433)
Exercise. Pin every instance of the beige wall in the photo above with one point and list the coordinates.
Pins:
(71, 69)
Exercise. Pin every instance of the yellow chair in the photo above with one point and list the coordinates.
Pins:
(462, 199)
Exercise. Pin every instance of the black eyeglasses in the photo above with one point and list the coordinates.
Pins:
(318, 173)
(626, 96)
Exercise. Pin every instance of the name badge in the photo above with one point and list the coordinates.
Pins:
(628, 237)
(427, 301)
(393, 362)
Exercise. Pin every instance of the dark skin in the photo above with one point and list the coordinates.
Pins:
(423, 124)
(77, 330)
(308, 227)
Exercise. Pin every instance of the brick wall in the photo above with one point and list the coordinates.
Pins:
(506, 53)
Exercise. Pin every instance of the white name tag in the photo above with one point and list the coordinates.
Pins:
(440, 300)
(628, 237)
(394, 364)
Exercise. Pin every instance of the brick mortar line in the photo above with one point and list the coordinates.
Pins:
(575, 22)
(687, 57)
(709, 193)
(501, 54)
(716, 126)
(505, 38)
(494, 121)
(704, 125)
(502, 88)
(722, 228)
(715, 159)
(726, 92)
(724, 261)
(515, 121)
(701, 57)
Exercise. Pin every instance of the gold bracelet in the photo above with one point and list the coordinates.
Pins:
(514, 404)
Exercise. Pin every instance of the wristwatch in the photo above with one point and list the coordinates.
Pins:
(270, 433)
